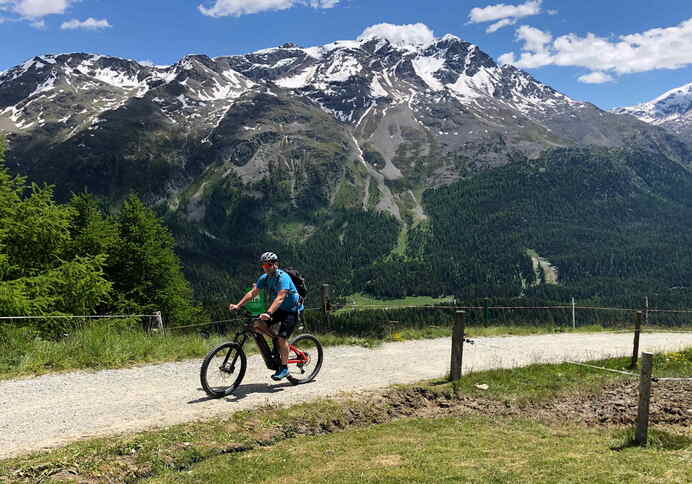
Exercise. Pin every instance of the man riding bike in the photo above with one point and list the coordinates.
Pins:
(285, 307)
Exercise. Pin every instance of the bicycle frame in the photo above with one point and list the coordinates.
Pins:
(271, 358)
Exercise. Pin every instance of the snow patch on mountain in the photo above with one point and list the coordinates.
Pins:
(426, 67)
(667, 107)
(300, 80)
(376, 88)
(47, 85)
(342, 68)
(481, 84)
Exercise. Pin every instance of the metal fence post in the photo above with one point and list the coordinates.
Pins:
(637, 331)
(642, 430)
(158, 321)
(457, 346)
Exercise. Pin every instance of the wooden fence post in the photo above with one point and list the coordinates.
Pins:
(642, 430)
(324, 304)
(457, 346)
(637, 330)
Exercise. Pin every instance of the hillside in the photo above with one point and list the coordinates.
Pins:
(347, 159)
(611, 221)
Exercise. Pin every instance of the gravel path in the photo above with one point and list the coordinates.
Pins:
(53, 410)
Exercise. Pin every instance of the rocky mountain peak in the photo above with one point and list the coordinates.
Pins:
(397, 109)
(672, 110)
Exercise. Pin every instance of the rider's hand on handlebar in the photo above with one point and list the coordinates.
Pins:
(233, 307)
(265, 317)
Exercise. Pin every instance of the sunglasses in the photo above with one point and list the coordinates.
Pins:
(266, 265)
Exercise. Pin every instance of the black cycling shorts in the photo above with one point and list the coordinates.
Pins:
(288, 321)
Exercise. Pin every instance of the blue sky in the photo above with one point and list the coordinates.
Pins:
(605, 52)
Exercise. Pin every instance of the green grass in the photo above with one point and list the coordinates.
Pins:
(119, 344)
(114, 345)
(358, 300)
(540, 382)
(474, 449)
(99, 346)
(487, 331)
(268, 444)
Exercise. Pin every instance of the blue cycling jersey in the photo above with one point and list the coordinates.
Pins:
(278, 282)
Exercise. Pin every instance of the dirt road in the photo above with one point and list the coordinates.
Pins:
(53, 410)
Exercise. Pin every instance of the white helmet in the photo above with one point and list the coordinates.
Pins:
(269, 257)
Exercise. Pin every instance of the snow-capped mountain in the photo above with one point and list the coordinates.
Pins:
(363, 123)
(672, 110)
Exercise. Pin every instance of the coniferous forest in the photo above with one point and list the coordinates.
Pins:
(76, 258)
(612, 224)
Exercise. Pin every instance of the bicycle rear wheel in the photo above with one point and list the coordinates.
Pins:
(223, 369)
(306, 349)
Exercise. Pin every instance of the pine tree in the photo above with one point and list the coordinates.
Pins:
(145, 270)
(38, 275)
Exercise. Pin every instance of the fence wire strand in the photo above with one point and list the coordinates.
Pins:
(602, 368)
(206, 324)
(100, 316)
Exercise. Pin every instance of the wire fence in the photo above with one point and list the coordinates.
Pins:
(380, 320)
(98, 316)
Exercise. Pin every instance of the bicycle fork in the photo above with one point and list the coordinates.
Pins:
(224, 366)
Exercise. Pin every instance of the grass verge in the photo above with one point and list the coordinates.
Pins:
(120, 344)
(105, 346)
(474, 444)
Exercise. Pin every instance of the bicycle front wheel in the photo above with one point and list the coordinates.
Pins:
(304, 359)
(223, 369)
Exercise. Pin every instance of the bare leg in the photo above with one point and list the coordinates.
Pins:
(262, 327)
(283, 350)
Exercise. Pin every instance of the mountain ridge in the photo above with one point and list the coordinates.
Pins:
(405, 112)
(328, 154)
(672, 110)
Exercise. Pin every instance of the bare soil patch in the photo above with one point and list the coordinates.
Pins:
(615, 404)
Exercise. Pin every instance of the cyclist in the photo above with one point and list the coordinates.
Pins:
(284, 309)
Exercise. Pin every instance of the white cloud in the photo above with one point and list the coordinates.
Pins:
(323, 3)
(411, 34)
(236, 8)
(504, 15)
(534, 39)
(502, 23)
(507, 58)
(39, 24)
(659, 48)
(596, 78)
(88, 24)
(35, 9)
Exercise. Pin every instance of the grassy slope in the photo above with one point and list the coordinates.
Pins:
(474, 449)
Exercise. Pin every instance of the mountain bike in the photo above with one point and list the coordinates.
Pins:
(224, 367)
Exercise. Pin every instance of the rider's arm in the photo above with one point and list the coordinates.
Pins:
(277, 302)
(248, 296)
